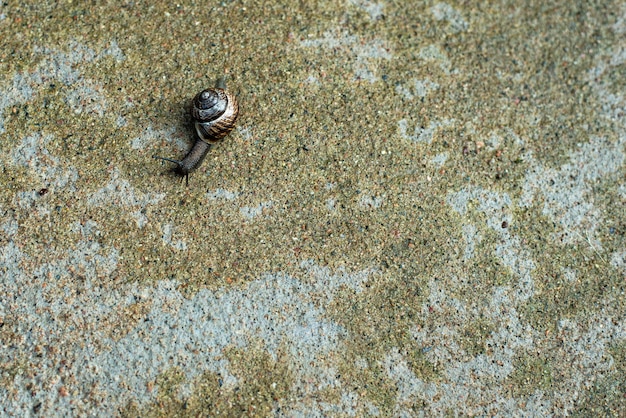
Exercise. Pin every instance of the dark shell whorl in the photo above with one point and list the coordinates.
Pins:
(209, 104)
(215, 112)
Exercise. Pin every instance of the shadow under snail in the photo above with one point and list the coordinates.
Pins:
(214, 114)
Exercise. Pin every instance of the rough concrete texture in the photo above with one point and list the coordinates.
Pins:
(421, 212)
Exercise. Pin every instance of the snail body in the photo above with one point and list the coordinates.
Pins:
(214, 112)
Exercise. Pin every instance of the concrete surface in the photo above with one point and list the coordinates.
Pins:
(422, 211)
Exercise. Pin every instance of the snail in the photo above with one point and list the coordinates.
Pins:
(214, 113)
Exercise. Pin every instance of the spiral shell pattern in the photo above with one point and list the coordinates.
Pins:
(215, 112)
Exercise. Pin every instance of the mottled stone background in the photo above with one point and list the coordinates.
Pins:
(421, 211)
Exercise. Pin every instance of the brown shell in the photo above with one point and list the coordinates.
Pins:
(215, 120)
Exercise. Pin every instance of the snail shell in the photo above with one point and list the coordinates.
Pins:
(214, 113)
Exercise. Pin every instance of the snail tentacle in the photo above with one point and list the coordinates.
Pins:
(167, 159)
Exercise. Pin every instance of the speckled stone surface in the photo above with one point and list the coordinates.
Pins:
(421, 212)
